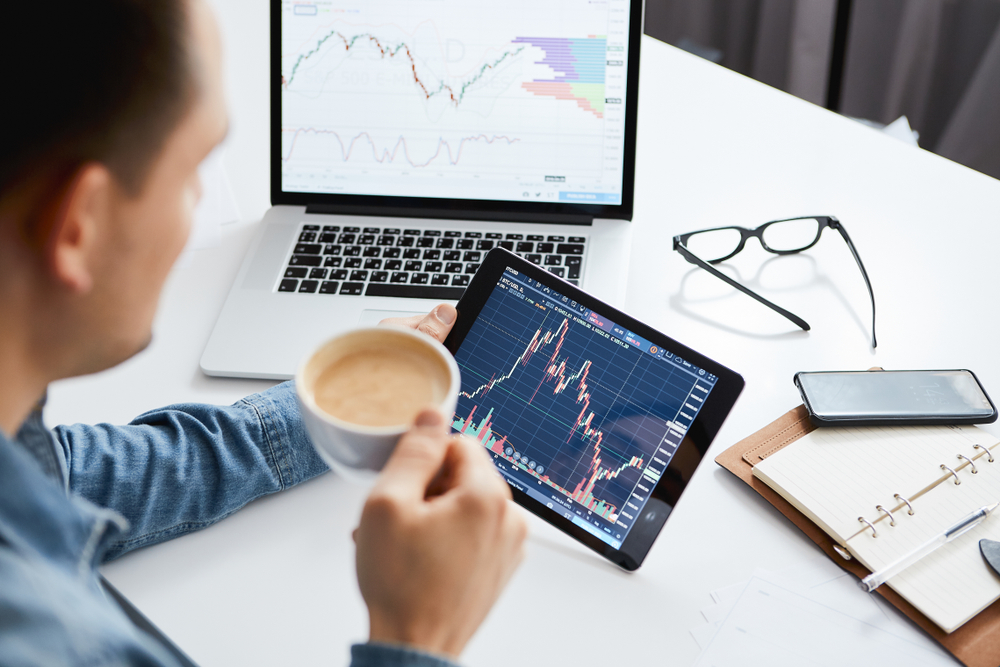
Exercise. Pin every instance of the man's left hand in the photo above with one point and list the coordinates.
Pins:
(435, 324)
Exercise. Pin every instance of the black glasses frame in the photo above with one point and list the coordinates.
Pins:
(681, 240)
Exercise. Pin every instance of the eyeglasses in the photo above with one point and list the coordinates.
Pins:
(782, 237)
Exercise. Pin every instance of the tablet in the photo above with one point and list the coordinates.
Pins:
(595, 420)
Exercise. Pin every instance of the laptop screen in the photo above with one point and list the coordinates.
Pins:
(524, 102)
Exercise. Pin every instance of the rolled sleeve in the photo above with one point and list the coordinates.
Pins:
(183, 467)
(375, 654)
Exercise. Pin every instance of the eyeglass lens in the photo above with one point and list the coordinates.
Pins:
(786, 235)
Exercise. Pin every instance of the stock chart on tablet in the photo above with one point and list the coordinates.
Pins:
(513, 101)
(578, 412)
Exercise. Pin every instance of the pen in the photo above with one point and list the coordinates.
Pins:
(876, 579)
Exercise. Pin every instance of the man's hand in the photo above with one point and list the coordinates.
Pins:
(435, 324)
(438, 541)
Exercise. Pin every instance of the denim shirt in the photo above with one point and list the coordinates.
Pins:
(77, 496)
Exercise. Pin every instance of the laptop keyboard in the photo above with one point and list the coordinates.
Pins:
(421, 263)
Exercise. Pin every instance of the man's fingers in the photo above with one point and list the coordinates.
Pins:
(417, 458)
(436, 324)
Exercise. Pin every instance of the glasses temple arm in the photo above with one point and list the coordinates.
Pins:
(689, 256)
(843, 232)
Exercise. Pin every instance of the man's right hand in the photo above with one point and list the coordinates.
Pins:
(439, 539)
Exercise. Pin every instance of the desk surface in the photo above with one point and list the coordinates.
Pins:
(274, 584)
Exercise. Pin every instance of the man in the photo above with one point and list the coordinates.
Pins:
(117, 103)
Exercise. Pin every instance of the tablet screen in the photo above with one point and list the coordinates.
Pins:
(578, 412)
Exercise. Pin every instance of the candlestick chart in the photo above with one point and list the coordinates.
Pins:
(563, 405)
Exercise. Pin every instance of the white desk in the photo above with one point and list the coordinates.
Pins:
(274, 584)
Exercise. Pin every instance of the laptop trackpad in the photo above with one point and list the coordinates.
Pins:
(370, 318)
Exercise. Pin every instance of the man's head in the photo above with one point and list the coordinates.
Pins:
(117, 102)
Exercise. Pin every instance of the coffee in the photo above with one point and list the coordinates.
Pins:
(382, 387)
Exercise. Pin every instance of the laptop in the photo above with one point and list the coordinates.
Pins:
(410, 138)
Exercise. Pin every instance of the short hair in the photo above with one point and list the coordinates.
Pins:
(91, 80)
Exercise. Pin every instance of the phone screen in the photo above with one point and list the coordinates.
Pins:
(877, 394)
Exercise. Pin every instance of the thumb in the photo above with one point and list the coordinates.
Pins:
(417, 458)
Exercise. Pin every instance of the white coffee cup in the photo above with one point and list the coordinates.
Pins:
(360, 391)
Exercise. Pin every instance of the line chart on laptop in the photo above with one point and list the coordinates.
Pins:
(444, 99)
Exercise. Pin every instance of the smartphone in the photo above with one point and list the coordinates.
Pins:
(895, 398)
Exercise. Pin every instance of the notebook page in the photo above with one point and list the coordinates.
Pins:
(835, 475)
(954, 583)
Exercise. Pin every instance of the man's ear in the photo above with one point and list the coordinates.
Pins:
(76, 218)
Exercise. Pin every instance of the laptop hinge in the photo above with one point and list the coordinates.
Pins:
(452, 214)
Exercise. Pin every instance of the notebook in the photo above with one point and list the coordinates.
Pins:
(909, 484)
(410, 138)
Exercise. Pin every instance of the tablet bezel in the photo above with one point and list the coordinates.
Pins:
(697, 440)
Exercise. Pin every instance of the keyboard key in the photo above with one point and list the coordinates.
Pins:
(439, 279)
(393, 265)
(400, 277)
(331, 228)
(432, 232)
(454, 267)
(506, 245)
(573, 266)
(494, 235)
(411, 253)
(578, 239)
(484, 245)
(453, 235)
(308, 249)
(371, 251)
(352, 251)
(385, 239)
(359, 275)
(472, 256)
(544, 248)
(558, 271)
(471, 267)
(452, 255)
(425, 242)
(515, 237)
(333, 250)
(525, 246)
(346, 238)
(327, 238)
(332, 262)
(535, 237)
(288, 285)
(432, 267)
(373, 264)
(473, 235)
(412, 232)
(416, 291)
(404, 242)
(391, 230)
(311, 228)
(570, 249)
(445, 243)
(353, 230)
(373, 230)
(419, 279)
(460, 280)
(296, 272)
(305, 260)
(380, 276)
(557, 239)
(328, 287)
(352, 263)
(366, 239)
(574, 281)
(553, 260)
(432, 254)
(413, 265)
(534, 259)
(307, 237)
(465, 244)
(317, 274)
(308, 286)
(391, 253)
(339, 274)
(352, 288)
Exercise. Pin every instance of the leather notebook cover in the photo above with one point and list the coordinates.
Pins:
(976, 644)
